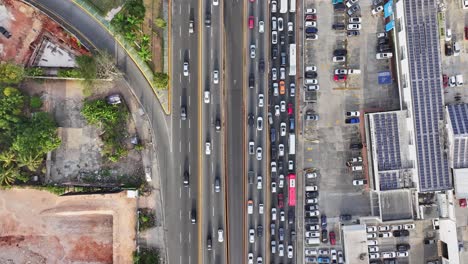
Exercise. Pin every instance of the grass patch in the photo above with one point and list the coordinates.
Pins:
(104, 6)
(146, 219)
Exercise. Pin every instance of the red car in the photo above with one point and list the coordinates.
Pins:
(339, 77)
(445, 80)
(252, 1)
(290, 109)
(310, 18)
(280, 200)
(462, 203)
(466, 32)
(251, 22)
(332, 238)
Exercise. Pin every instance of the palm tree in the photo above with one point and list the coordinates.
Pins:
(130, 36)
(7, 158)
(8, 175)
(145, 40)
(29, 161)
(144, 53)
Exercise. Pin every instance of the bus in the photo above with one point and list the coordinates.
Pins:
(292, 189)
(284, 6)
(292, 59)
(292, 6)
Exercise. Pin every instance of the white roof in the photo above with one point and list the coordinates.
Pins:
(460, 177)
(355, 244)
(448, 235)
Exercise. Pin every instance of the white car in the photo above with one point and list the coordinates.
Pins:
(186, 69)
(220, 235)
(250, 258)
(313, 227)
(385, 235)
(409, 226)
(283, 129)
(311, 175)
(465, 4)
(275, 89)
(282, 216)
(339, 59)
(350, 3)
(290, 27)
(309, 252)
(354, 26)
(261, 26)
(206, 98)
(290, 251)
(341, 71)
(274, 6)
(283, 106)
(273, 166)
(215, 76)
(309, 234)
(384, 55)
(355, 19)
(396, 227)
(377, 10)
(260, 123)
(359, 182)
(252, 51)
(274, 24)
(384, 228)
(282, 73)
(281, 181)
(251, 235)
(274, 37)
(372, 242)
(281, 250)
(280, 24)
(260, 208)
(402, 254)
(215, 2)
(312, 213)
(333, 255)
(250, 207)
(310, 24)
(311, 11)
(273, 214)
(273, 247)
(374, 255)
(277, 110)
(386, 255)
(311, 81)
(452, 81)
(260, 100)
(372, 235)
(259, 153)
(312, 201)
(323, 251)
(281, 150)
(274, 77)
(448, 34)
(371, 229)
(259, 182)
(207, 148)
(374, 249)
(353, 113)
(290, 165)
(259, 260)
(273, 187)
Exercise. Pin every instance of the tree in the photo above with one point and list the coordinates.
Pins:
(8, 175)
(144, 53)
(160, 23)
(11, 104)
(161, 80)
(145, 40)
(98, 111)
(87, 67)
(11, 73)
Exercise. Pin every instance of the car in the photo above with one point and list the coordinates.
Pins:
(353, 120)
(274, 6)
(339, 7)
(261, 26)
(281, 181)
(259, 230)
(339, 59)
(333, 255)
(282, 87)
(312, 213)
(186, 178)
(273, 166)
(352, 113)
(207, 148)
(374, 249)
(259, 182)
(356, 146)
(209, 242)
(183, 112)
(372, 242)
(354, 26)
(400, 233)
(281, 250)
(283, 129)
(251, 147)
(409, 226)
(215, 2)
(193, 216)
(259, 123)
(403, 247)
(386, 234)
(402, 254)
(311, 116)
(338, 26)
(384, 55)
(282, 216)
(186, 68)
(339, 77)
(252, 51)
(311, 75)
(311, 11)
(459, 79)
(281, 234)
(311, 30)
(206, 97)
(290, 165)
(261, 65)
(290, 109)
(251, 119)
(332, 238)
(273, 187)
(374, 255)
(251, 235)
(311, 36)
(312, 227)
(310, 252)
(311, 194)
(353, 9)
(324, 236)
(215, 76)
(461, 203)
(250, 258)
(260, 100)
(290, 251)
(220, 235)
(208, 19)
(428, 241)
(290, 27)
(274, 23)
(311, 201)
(310, 17)
(310, 24)
(355, 19)
(282, 73)
(384, 228)
(323, 251)
(274, 75)
(448, 49)
(272, 228)
(274, 37)
(350, 3)
(280, 24)
(466, 33)
(311, 81)
(282, 106)
(371, 235)
(340, 52)
(273, 214)
(5, 32)
(352, 33)
(341, 71)
(250, 206)
(377, 10)
(281, 150)
(251, 22)
(273, 246)
(259, 153)
(277, 110)
(445, 80)
(387, 255)
(452, 81)
(280, 200)
(345, 217)
(217, 184)
(292, 89)
(259, 260)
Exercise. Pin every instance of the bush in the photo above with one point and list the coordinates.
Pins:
(161, 80)
(11, 73)
(160, 23)
(35, 102)
(35, 71)
(146, 219)
(147, 256)
(69, 73)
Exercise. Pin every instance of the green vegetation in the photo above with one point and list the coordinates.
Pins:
(35, 102)
(69, 73)
(161, 80)
(160, 22)
(112, 120)
(146, 219)
(24, 140)
(147, 256)
(11, 73)
(104, 6)
(34, 71)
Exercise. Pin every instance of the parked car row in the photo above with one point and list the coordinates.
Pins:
(452, 81)
(310, 24)
(383, 49)
(323, 255)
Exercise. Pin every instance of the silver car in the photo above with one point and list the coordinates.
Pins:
(252, 51)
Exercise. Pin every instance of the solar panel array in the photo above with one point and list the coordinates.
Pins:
(388, 141)
(459, 117)
(388, 181)
(425, 70)
(460, 153)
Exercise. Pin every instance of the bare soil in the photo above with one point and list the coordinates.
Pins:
(39, 227)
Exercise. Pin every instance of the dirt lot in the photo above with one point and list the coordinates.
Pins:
(79, 156)
(39, 227)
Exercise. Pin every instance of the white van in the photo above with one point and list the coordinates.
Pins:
(311, 188)
(459, 79)
(356, 168)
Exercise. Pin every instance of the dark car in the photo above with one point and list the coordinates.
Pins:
(338, 26)
(274, 53)
(448, 49)
(428, 241)
(311, 194)
(311, 30)
(383, 48)
(5, 32)
(445, 80)
(293, 235)
(251, 119)
(208, 19)
(217, 124)
(281, 234)
(324, 236)
(353, 9)
(283, 58)
(332, 238)
(466, 33)
(340, 52)
(400, 233)
(273, 152)
(282, 39)
(310, 17)
(259, 230)
(323, 219)
(312, 220)
(280, 200)
(345, 217)
(403, 247)
(310, 207)
(291, 217)
(291, 124)
(183, 112)
(251, 81)
(311, 75)
(382, 40)
(186, 179)
(389, 261)
(356, 146)
(261, 65)
(193, 216)
(353, 120)
(354, 33)
(209, 243)
(339, 7)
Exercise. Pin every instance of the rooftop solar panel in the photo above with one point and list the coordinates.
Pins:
(459, 118)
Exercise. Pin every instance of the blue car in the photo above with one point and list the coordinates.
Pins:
(291, 124)
(337, 1)
(354, 120)
(323, 260)
(311, 30)
(324, 221)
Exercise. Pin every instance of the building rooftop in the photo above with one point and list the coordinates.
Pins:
(460, 178)
(355, 244)
(425, 78)
(459, 118)
(396, 205)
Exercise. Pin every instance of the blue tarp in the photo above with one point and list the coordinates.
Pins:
(337, 1)
(388, 9)
(390, 25)
(385, 77)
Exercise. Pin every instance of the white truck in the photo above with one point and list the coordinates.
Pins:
(292, 144)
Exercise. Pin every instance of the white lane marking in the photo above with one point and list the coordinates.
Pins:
(180, 9)
(180, 259)
(180, 192)
(180, 78)
(189, 237)
(180, 31)
(211, 33)
(180, 100)
(189, 166)
(189, 54)
(213, 211)
(189, 100)
(180, 146)
(180, 237)
(180, 54)
(180, 124)
(189, 257)
(189, 127)
(189, 141)
(189, 193)
(212, 167)
(189, 78)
